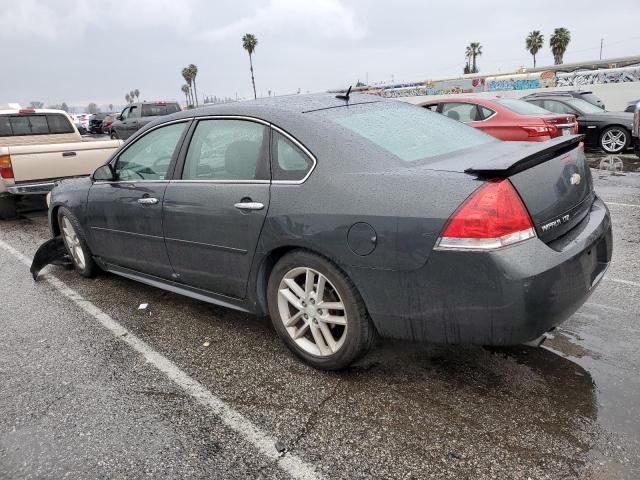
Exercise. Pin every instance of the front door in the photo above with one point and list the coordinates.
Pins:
(214, 212)
(125, 215)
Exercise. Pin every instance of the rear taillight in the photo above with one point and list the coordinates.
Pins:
(491, 217)
(541, 130)
(6, 170)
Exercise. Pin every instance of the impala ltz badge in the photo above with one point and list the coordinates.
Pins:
(575, 179)
(558, 221)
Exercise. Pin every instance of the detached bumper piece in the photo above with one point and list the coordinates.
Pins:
(53, 252)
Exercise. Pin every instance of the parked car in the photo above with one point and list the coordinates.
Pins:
(506, 118)
(37, 147)
(635, 132)
(107, 122)
(137, 115)
(343, 219)
(631, 107)
(609, 131)
(95, 123)
(581, 94)
(81, 122)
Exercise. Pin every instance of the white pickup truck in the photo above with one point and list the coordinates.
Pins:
(38, 147)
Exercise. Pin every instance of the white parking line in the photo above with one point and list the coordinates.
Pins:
(624, 282)
(623, 204)
(290, 463)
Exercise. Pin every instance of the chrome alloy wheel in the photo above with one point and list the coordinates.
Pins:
(312, 311)
(72, 241)
(614, 140)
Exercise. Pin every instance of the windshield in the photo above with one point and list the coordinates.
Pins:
(521, 107)
(408, 132)
(583, 106)
(591, 98)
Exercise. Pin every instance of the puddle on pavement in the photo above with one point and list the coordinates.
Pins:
(614, 164)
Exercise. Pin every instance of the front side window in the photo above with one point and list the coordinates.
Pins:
(149, 157)
(227, 150)
(463, 112)
(289, 161)
(134, 112)
(125, 114)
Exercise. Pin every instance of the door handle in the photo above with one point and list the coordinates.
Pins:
(69, 154)
(249, 206)
(148, 201)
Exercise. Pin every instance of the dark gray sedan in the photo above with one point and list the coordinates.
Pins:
(347, 218)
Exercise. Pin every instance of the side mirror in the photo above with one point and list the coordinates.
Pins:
(105, 173)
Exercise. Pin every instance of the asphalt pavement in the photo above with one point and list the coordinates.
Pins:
(93, 386)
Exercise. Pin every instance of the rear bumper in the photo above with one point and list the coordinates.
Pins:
(31, 188)
(506, 297)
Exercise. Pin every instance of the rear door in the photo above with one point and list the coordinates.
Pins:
(125, 216)
(215, 209)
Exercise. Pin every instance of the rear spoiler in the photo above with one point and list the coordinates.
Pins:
(539, 152)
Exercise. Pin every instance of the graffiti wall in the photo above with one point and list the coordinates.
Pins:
(507, 82)
(524, 81)
(593, 77)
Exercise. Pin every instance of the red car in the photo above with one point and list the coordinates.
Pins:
(506, 118)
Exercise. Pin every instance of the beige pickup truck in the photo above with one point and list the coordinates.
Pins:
(38, 147)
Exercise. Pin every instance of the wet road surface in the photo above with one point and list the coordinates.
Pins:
(82, 399)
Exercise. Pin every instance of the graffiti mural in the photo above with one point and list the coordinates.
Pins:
(592, 77)
(524, 81)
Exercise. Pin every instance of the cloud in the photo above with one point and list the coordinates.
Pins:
(72, 18)
(325, 18)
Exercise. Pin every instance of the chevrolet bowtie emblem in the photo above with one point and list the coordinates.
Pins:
(575, 179)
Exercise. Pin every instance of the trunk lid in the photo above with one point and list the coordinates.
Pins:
(552, 178)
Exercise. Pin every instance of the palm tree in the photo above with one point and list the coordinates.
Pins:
(193, 73)
(111, 107)
(473, 51)
(249, 43)
(136, 92)
(185, 89)
(186, 74)
(127, 97)
(534, 42)
(558, 43)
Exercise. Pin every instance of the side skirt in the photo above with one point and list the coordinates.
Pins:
(180, 289)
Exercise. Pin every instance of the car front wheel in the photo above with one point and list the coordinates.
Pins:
(75, 243)
(114, 135)
(317, 311)
(614, 139)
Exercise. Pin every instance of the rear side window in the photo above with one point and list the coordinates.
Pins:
(227, 150)
(156, 110)
(463, 112)
(16, 125)
(289, 161)
(410, 133)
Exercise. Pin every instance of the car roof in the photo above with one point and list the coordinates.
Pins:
(16, 111)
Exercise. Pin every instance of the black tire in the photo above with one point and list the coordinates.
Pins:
(8, 208)
(360, 331)
(614, 129)
(90, 268)
(113, 134)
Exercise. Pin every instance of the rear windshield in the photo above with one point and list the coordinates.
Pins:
(156, 110)
(521, 107)
(583, 106)
(410, 133)
(591, 98)
(37, 124)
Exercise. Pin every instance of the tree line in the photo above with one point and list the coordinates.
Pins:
(534, 42)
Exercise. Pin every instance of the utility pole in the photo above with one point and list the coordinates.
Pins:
(601, 42)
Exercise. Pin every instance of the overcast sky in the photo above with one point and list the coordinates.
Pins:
(80, 50)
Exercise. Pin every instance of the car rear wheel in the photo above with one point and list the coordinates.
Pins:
(614, 139)
(76, 244)
(317, 311)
